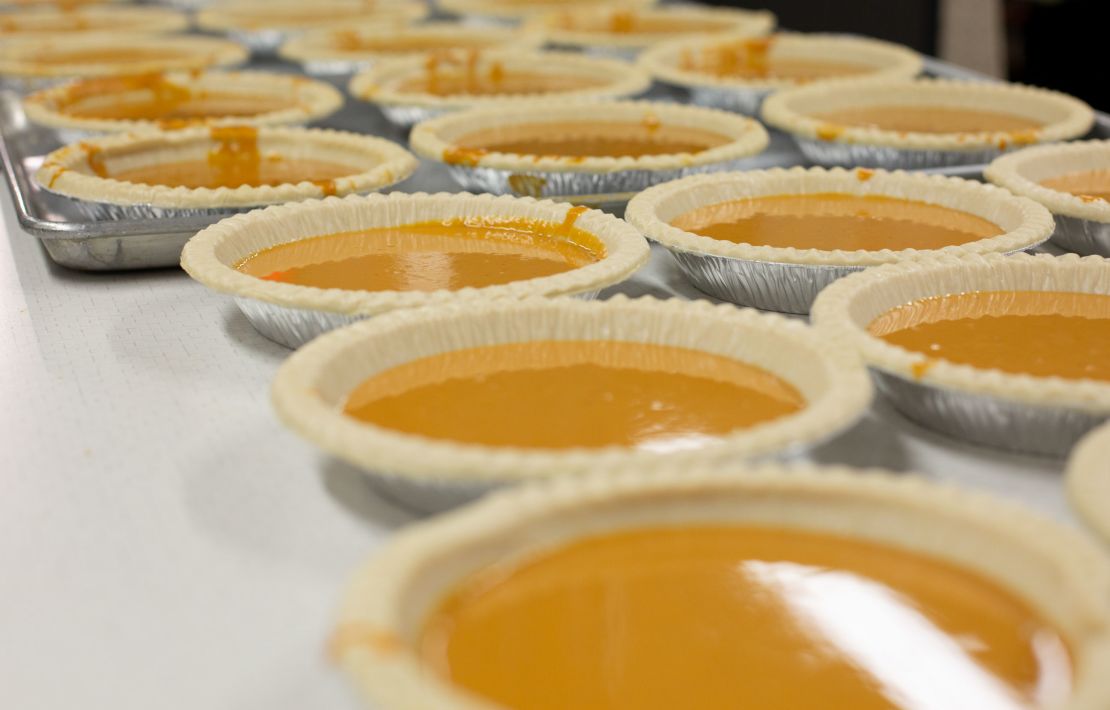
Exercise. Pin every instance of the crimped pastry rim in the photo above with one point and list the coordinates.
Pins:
(625, 252)
(624, 80)
(204, 52)
(315, 100)
(837, 307)
(1020, 551)
(839, 398)
(510, 12)
(433, 137)
(1007, 171)
(736, 21)
(59, 172)
(1035, 226)
(223, 18)
(302, 48)
(779, 112)
(659, 60)
(1088, 480)
(142, 19)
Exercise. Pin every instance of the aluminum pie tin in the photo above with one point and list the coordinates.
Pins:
(1082, 222)
(292, 315)
(1043, 416)
(788, 280)
(830, 153)
(429, 474)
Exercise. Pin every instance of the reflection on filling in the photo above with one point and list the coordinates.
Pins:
(580, 140)
(742, 617)
(428, 256)
(929, 119)
(756, 59)
(442, 76)
(565, 394)
(1087, 184)
(831, 221)
(233, 162)
(1040, 333)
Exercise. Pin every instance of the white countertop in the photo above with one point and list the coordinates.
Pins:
(167, 545)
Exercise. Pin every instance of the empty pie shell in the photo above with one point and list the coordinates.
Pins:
(668, 62)
(1082, 223)
(1063, 118)
(292, 314)
(1044, 415)
(432, 473)
(788, 279)
(555, 175)
(382, 83)
(1088, 480)
(1050, 567)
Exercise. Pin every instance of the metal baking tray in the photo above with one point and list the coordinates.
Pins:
(74, 241)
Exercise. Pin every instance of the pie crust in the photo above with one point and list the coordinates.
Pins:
(22, 70)
(258, 16)
(512, 11)
(322, 51)
(310, 100)
(587, 27)
(89, 19)
(1088, 480)
(381, 83)
(1083, 225)
(664, 63)
(310, 388)
(67, 171)
(211, 256)
(1064, 117)
(1054, 569)
(434, 139)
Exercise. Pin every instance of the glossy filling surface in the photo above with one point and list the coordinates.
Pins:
(1087, 184)
(582, 140)
(567, 394)
(724, 616)
(929, 119)
(428, 256)
(830, 221)
(1040, 333)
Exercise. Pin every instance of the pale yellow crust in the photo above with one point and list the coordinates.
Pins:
(312, 100)
(311, 387)
(516, 10)
(1050, 567)
(379, 84)
(434, 138)
(664, 61)
(42, 22)
(1024, 223)
(574, 27)
(259, 15)
(1022, 171)
(1064, 117)
(210, 257)
(845, 309)
(66, 171)
(19, 58)
(1088, 480)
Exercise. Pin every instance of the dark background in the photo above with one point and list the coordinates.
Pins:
(1060, 45)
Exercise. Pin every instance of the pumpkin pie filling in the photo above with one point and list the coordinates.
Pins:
(1039, 333)
(468, 78)
(715, 616)
(621, 22)
(428, 256)
(929, 119)
(830, 221)
(571, 394)
(1086, 184)
(586, 139)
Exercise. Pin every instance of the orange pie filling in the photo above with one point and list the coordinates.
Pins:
(933, 119)
(569, 394)
(428, 256)
(734, 616)
(1087, 184)
(1040, 333)
(585, 139)
(630, 22)
(444, 76)
(830, 221)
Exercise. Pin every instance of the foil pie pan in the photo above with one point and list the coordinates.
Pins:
(832, 153)
(1082, 236)
(745, 101)
(407, 116)
(108, 212)
(986, 420)
(260, 42)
